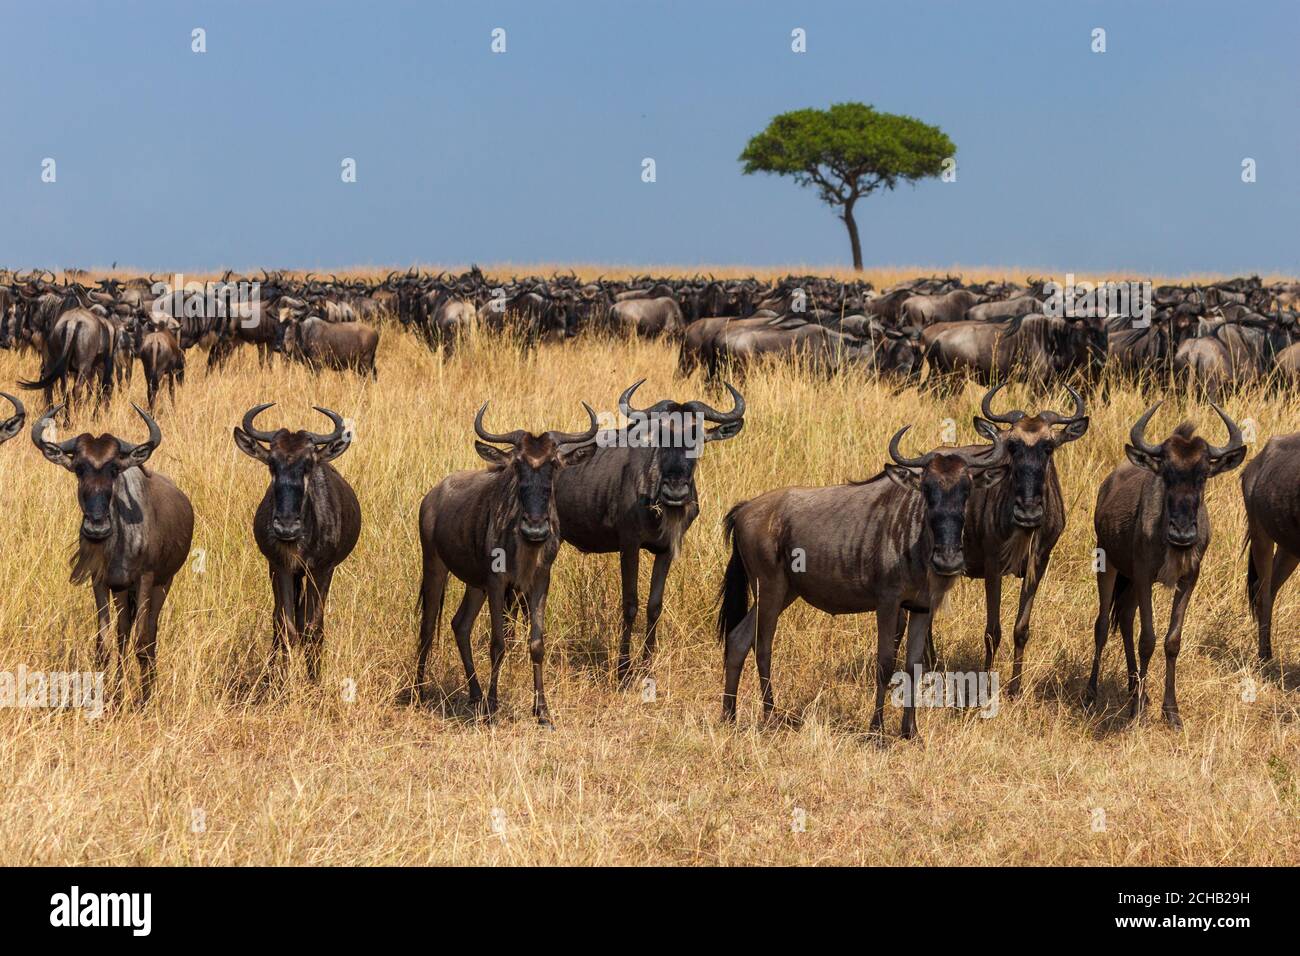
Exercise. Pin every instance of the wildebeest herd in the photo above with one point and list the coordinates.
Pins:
(893, 544)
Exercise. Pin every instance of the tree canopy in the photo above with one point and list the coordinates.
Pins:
(847, 152)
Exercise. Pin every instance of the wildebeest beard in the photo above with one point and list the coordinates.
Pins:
(672, 519)
(89, 558)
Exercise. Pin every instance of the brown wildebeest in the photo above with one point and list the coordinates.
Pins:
(336, 345)
(1012, 527)
(498, 532)
(1153, 527)
(648, 317)
(636, 492)
(890, 544)
(1268, 485)
(84, 344)
(163, 360)
(307, 523)
(13, 425)
(136, 528)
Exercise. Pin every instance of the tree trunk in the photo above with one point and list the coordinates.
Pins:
(852, 226)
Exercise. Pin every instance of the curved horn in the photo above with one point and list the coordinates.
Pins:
(510, 438)
(626, 408)
(986, 406)
(19, 410)
(982, 457)
(1235, 440)
(897, 455)
(155, 433)
(713, 415)
(38, 430)
(250, 428)
(1056, 418)
(577, 438)
(1135, 435)
(335, 435)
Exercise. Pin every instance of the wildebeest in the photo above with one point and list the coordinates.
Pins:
(636, 492)
(136, 528)
(83, 343)
(307, 523)
(648, 317)
(163, 360)
(1153, 527)
(1268, 485)
(890, 544)
(497, 530)
(14, 424)
(336, 345)
(1012, 526)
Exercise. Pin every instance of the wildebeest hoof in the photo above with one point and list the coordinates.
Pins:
(1173, 719)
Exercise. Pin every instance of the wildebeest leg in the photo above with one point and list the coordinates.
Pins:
(738, 643)
(299, 607)
(629, 563)
(125, 602)
(888, 617)
(1100, 629)
(992, 616)
(1173, 643)
(1028, 591)
(537, 643)
(497, 649)
(285, 630)
(461, 625)
(433, 588)
(655, 605)
(1146, 644)
(1284, 564)
(316, 595)
(104, 613)
(917, 627)
(770, 605)
(146, 642)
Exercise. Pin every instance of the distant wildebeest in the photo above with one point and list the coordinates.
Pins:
(498, 532)
(14, 424)
(82, 343)
(337, 345)
(890, 544)
(636, 492)
(307, 523)
(648, 317)
(1268, 485)
(162, 360)
(1041, 347)
(1012, 526)
(1153, 527)
(136, 528)
(919, 311)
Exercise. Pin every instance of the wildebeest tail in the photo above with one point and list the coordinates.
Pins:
(733, 595)
(56, 372)
(1122, 586)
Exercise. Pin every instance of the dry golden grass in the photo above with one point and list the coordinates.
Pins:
(309, 778)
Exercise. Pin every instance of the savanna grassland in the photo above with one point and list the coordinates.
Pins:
(305, 775)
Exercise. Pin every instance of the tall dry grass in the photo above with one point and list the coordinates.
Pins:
(306, 777)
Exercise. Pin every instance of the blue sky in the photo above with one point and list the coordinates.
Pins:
(1067, 159)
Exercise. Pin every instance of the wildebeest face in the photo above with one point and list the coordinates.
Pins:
(677, 434)
(944, 483)
(532, 461)
(1030, 443)
(292, 458)
(1184, 462)
(97, 463)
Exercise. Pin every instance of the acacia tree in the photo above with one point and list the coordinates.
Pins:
(848, 152)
